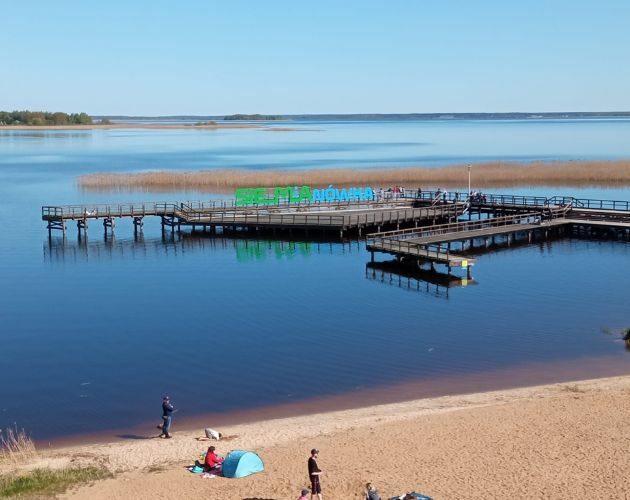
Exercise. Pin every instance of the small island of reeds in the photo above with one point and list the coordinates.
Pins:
(601, 173)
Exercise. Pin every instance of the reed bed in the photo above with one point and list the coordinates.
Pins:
(577, 173)
(16, 446)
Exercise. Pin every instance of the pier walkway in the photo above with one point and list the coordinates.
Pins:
(341, 216)
(434, 243)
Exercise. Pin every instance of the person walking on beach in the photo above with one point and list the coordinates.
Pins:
(313, 473)
(167, 416)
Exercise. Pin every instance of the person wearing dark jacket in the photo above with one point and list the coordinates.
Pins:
(167, 416)
(313, 473)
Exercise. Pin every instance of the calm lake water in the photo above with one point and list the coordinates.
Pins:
(93, 333)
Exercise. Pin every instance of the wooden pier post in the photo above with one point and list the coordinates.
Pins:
(137, 225)
(108, 222)
(82, 225)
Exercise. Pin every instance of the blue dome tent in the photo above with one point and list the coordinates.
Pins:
(239, 463)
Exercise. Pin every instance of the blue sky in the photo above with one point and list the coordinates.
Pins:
(209, 57)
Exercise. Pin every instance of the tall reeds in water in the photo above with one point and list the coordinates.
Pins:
(16, 446)
(578, 173)
(484, 175)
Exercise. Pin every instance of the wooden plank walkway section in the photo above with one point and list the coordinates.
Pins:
(316, 216)
(423, 252)
(433, 243)
(333, 219)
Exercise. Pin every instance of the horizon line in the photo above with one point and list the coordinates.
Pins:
(410, 114)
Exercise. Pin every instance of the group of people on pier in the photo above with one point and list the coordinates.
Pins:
(440, 195)
(477, 197)
(391, 193)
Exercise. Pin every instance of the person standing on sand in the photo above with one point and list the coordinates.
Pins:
(313, 473)
(167, 416)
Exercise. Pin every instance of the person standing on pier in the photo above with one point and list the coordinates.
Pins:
(167, 416)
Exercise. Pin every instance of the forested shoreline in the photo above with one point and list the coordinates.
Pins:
(43, 118)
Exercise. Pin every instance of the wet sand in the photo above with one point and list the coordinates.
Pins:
(567, 440)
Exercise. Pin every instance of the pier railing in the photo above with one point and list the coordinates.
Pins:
(509, 200)
(457, 227)
(138, 209)
(405, 240)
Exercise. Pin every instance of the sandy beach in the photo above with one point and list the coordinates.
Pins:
(566, 440)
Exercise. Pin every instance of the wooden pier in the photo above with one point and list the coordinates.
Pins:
(433, 228)
(339, 217)
(447, 243)
(423, 229)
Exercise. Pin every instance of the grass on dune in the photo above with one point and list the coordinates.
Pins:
(17, 449)
(40, 483)
(16, 446)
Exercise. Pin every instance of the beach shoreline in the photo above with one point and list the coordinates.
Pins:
(513, 377)
(477, 445)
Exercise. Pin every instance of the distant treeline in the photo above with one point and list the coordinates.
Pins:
(39, 118)
(253, 117)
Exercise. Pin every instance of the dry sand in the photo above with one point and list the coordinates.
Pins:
(568, 440)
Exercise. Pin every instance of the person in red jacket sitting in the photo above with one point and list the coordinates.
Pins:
(213, 461)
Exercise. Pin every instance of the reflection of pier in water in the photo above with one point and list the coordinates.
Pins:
(411, 277)
(246, 249)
